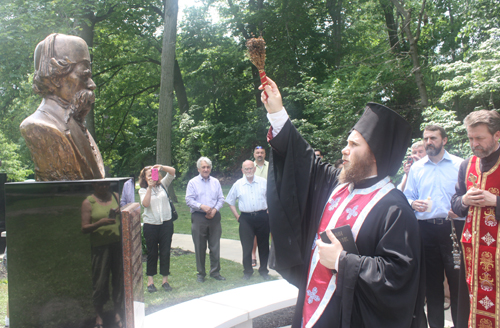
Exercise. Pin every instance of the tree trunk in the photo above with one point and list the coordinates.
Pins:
(165, 110)
(87, 34)
(180, 89)
(334, 8)
(413, 41)
(392, 28)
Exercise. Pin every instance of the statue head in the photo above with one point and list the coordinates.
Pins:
(62, 69)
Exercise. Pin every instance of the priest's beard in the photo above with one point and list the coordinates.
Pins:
(486, 151)
(81, 105)
(357, 169)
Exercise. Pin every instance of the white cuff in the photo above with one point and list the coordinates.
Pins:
(278, 120)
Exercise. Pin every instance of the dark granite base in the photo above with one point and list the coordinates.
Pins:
(49, 268)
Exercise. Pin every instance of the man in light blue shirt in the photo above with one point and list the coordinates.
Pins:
(254, 220)
(429, 189)
(205, 199)
(128, 192)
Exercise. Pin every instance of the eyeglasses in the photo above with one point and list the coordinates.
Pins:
(259, 147)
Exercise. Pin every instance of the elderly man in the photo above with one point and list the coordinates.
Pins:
(61, 146)
(380, 286)
(205, 199)
(430, 187)
(477, 197)
(254, 221)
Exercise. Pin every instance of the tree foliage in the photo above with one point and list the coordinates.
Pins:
(329, 58)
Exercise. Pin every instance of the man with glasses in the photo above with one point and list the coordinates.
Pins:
(254, 220)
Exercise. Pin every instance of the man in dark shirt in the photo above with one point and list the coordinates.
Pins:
(477, 196)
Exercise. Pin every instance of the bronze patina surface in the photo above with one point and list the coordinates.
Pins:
(60, 144)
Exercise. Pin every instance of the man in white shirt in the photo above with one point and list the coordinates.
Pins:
(254, 220)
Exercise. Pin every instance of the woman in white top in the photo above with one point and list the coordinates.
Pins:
(158, 227)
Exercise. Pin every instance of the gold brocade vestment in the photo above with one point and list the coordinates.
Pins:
(481, 249)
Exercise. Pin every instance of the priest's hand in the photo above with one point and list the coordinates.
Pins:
(271, 98)
(479, 197)
(329, 253)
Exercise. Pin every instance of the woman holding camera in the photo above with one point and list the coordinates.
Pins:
(158, 226)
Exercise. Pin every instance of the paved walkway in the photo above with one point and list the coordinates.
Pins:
(231, 250)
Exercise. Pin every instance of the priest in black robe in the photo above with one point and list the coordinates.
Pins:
(383, 285)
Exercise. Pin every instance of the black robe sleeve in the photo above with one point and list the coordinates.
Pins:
(460, 190)
(298, 184)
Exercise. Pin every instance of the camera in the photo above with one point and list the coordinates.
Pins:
(154, 174)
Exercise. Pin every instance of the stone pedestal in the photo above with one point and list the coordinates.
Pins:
(132, 264)
(50, 259)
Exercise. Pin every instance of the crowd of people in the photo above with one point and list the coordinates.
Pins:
(407, 237)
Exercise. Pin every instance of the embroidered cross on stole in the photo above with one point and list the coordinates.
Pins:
(344, 207)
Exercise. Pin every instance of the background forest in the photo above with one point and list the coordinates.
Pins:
(171, 88)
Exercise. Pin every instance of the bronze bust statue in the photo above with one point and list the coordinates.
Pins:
(61, 146)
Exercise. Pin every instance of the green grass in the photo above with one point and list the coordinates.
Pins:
(184, 284)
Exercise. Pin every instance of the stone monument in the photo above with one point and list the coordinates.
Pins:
(61, 146)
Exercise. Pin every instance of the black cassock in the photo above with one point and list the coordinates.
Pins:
(381, 287)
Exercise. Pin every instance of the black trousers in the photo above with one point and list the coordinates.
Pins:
(158, 239)
(206, 231)
(438, 248)
(107, 260)
(251, 226)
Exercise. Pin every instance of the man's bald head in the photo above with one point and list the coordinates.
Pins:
(248, 169)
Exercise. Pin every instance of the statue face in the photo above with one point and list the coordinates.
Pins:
(79, 79)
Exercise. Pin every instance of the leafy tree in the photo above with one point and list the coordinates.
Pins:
(477, 77)
(11, 163)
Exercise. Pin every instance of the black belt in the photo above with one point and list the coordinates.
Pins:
(255, 213)
(436, 221)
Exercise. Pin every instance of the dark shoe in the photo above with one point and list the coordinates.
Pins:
(152, 289)
(167, 287)
(265, 276)
(200, 279)
(247, 276)
(219, 277)
(254, 262)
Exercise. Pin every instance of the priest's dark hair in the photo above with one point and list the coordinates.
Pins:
(434, 127)
(490, 118)
(388, 135)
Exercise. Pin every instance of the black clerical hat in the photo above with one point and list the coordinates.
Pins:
(387, 134)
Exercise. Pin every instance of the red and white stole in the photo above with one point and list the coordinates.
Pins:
(344, 207)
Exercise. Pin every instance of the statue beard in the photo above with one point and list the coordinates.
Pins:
(81, 105)
(356, 170)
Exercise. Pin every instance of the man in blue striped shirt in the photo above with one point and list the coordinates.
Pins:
(430, 186)
(254, 220)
